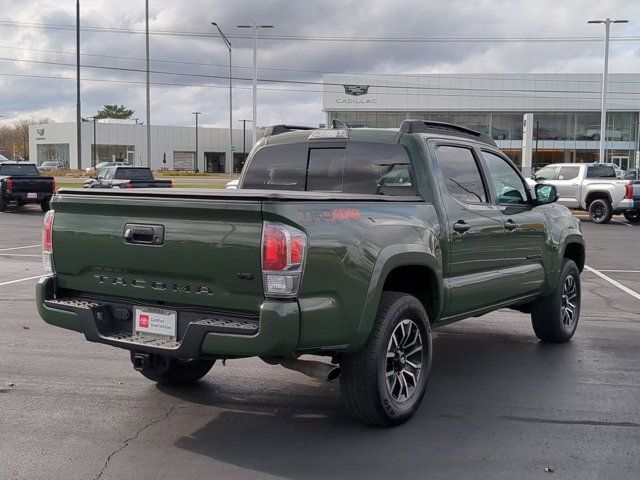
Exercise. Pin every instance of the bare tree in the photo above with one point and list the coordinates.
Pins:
(14, 138)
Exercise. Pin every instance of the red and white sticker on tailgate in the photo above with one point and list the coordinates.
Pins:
(155, 321)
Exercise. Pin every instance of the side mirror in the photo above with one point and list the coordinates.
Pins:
(546, 194)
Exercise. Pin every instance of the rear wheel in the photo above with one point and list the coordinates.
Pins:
(383, 384)
(600, 211)
(171, 371)
(555, 318)
(632, 216)
(45, 206)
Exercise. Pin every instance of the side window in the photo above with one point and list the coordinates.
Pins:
(547, 173)
(506, 182)
(568, 173)
(461, 174)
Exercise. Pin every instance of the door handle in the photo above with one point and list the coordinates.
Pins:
(510, 225)
(575, 184)
(461, 226)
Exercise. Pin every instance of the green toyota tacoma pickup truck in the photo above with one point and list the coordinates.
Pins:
(347, 243)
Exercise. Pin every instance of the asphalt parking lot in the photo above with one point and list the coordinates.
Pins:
(499, 403)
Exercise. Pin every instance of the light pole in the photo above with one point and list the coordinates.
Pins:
(605, 71)
(78, 106)
(255, 27)
(228, 44)
(196, 162)
(148, 90)
(244, 139)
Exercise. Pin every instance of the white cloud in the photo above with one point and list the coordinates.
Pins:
(172, 105)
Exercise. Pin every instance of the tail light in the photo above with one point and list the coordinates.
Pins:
(283, 254)
(628, 191)
(10, 184)
(53, 186)
(47, 242)
(127, 185)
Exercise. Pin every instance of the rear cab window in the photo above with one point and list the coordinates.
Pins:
(354, 167)
(601, 171)
(128, 173)
(12, 170)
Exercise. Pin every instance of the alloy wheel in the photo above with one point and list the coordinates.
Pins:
(404, 360)
(569, 303)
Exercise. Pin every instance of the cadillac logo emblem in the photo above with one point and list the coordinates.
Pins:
(356, 90)
(40, 131)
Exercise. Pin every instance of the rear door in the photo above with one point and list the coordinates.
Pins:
(568, 185)
(474, 228)
(525, 228)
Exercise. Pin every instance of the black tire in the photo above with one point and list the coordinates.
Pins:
(45, 205)
(632, 216)
(373, 383)
(3, 204)
(600, 211)
(169, 371)
(551, 320)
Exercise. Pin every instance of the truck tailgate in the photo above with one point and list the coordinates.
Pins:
(32, 184)
(210, 256)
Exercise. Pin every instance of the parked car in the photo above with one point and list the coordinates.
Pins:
(315, 253)
(593, 187)
(631, 174)
(592, 132)
(21, 183)
(114, 176)
(232, 184)
(50, 165)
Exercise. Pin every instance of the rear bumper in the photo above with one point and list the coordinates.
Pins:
(628, 204)
(22, 197)
(274, 332)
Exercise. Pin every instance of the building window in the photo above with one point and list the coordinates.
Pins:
(53, 152)
(113, 153)
(214, 162)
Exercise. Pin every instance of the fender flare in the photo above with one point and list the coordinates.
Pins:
(392, 257)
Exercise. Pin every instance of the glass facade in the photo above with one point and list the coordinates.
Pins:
(621, 126)
(53, 152)
(113, 153)
(504, 126)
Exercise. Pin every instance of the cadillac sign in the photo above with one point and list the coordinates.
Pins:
(356, 90)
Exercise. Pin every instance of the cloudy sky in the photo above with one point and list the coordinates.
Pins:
(37, 50)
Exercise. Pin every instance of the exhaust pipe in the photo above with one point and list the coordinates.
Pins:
(325, 372)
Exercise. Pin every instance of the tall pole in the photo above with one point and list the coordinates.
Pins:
(196, 160)
(78, 106)
(229, 166)
(148, 126)
(256, 27)
(244, 139)
(95, 148)
(605, 71)
(255, 85)
(603, 107)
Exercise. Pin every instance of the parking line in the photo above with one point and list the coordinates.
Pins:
(610, 271)
(20, 280)
(611, 281)
(18, 255)
(19, 248)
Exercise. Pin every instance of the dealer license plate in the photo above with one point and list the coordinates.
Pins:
(155, 321)
(32, 195)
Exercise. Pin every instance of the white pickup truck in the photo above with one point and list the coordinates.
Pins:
(595, 188)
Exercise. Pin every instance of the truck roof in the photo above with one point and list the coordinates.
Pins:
(377, 135)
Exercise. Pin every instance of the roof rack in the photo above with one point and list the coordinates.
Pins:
(429, 126)
(278, 129)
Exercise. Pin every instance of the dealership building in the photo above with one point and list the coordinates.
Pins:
(172, 148)
(565, 108)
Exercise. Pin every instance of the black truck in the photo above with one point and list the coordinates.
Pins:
(21, 183)
(121, 176)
